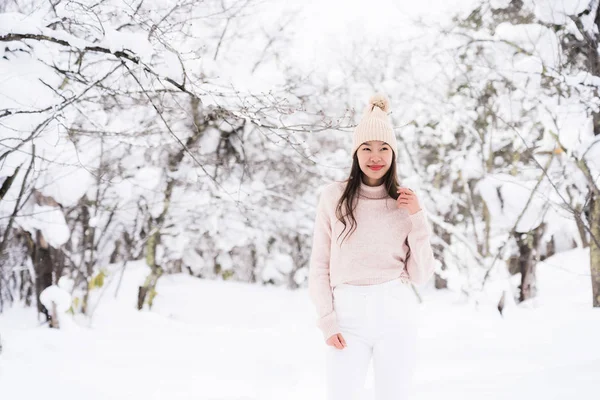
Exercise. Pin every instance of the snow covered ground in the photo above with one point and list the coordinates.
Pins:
(227, 340)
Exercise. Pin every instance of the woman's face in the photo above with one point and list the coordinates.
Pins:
(374, 159)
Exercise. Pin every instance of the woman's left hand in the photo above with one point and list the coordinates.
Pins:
(408, 199)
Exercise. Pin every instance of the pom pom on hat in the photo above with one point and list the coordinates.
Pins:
(381, 101)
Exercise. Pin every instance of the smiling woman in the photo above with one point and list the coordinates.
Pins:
(359, 282)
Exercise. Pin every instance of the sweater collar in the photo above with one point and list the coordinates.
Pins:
(373, 192)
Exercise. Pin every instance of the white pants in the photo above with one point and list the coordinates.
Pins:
(378, 321)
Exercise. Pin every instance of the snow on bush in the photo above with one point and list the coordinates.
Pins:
(56, 295)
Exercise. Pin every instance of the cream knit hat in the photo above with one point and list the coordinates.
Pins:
(375, 124)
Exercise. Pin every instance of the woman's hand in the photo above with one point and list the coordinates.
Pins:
(408, 199)
(337, 341)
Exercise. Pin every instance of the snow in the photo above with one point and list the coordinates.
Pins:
(135, 43)
(33, 24)
(225, 261)
(50, 221)
(229, 340)
(592, 156)
(505, 210)
(209, 142)
(533, 38)
(147, 179)
(66, 283)
(65, 183)
(558, 11)
(11, 22)
(277, 267)
(499, 4)
(570, 121)
(54, 295)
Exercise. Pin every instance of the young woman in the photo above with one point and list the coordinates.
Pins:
(371, 240)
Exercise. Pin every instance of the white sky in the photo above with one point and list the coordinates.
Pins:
(333, 25)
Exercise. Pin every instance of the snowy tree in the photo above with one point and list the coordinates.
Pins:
(140, 148)
(530, 70)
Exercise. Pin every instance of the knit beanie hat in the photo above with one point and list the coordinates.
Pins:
(375, 124)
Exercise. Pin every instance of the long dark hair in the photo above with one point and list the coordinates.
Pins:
(350, 195)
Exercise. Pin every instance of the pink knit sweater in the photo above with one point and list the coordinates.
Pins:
(388, 243)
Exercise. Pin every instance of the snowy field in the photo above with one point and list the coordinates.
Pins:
(221, 340)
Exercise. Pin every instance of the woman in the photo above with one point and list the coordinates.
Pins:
(363, 260)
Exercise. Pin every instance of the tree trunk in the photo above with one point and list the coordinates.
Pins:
(54, 317)
(581, 228)
(26, 287)
(442, 283)
(201, 123)
(41, 258)
(44, 258)
(593, 62)
(149, 287)
(594, 221)
(528, 244)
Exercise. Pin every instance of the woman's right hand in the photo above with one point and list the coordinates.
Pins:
(337, 341)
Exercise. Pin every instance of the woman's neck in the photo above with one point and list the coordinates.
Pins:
(371, 181)
(378, 191)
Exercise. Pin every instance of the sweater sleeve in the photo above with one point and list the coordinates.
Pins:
(318, 277)
(420, 261)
